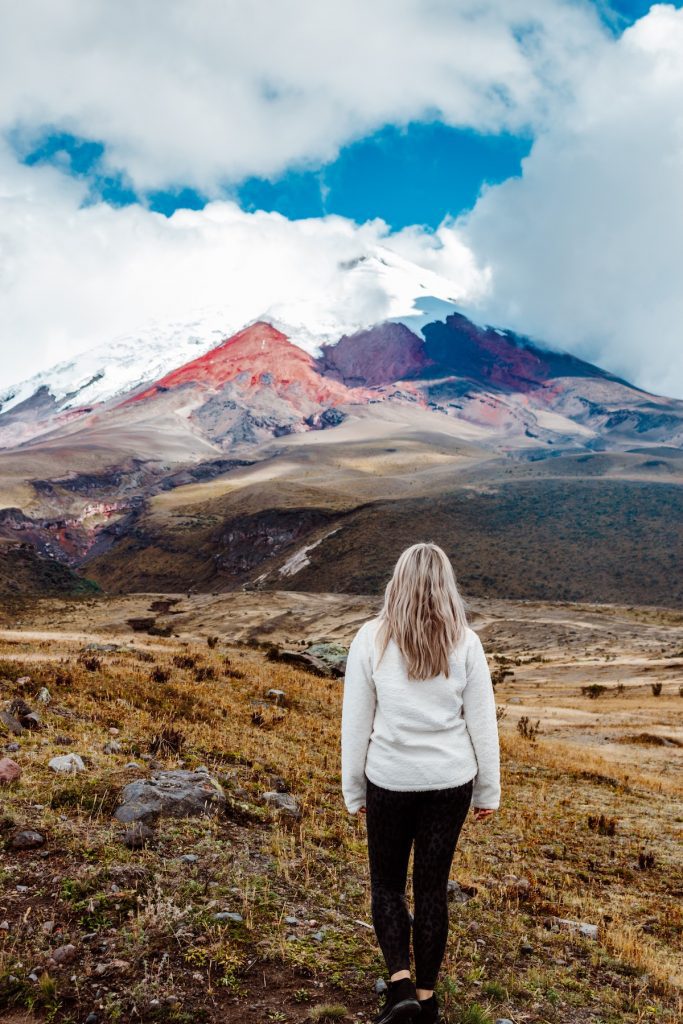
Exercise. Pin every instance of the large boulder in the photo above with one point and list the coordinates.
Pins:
(331, 654)
(171, 794)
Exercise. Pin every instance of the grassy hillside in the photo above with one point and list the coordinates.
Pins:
(576, 838)
(23, 573)
(543, 539)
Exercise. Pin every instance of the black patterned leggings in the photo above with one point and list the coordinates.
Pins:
(431, 820)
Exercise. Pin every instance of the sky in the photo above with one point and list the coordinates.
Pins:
(531, 151)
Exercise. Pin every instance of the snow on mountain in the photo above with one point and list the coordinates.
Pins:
(377, 285)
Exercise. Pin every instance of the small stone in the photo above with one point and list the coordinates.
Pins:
(48, 927)
(112, 747)
(283, 802)
(278, 697)
(318, 936)
(67, 763)
(63, 741)
(113, 731)
(225, 915)
(589, 930)
(31, 721)
(202, 770)
(503, 1020)
(33, 977)
(22, 888)
(292, 920)
(4, 926)
(380, 987)
(137, 835)
(9, 771)
(10, 722)
(92, 1018)
(526, 947)
(132, 764)
(43, 696)
(64, 954)
(26, 840)
(12, 748)
(189, 858)
(514, 700)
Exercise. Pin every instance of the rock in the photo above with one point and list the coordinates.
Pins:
(318, 936)
(226, 915)
(31, 721)
(28, 839)
(514, 700)
(113, 731)
(589, 930)
(23, 680)
(380, 987)
(92, 1018)
(283, 802)
(43, 696)
(300, 659)
(137, 836)
(278, 697)
(292, 920)
(48, 927)
(64, 954)
(66, 763)
(4, 926)
(63, 741)
(10, 722)
(332, 655)
(526, 947)
(112, 747)
(503, 1020)
(189, 858)
(12, 748)
(173, 794)
(132, 764)
(9, 771)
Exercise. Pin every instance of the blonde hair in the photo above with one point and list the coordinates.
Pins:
(423, 611)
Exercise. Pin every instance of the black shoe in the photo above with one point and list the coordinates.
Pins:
(401, 1005)
(429, 1011)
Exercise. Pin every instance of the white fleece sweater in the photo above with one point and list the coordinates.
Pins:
(407, 734)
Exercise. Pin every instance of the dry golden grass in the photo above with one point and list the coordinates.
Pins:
(544, 855)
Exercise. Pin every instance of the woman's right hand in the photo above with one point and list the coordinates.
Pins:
(482, 812)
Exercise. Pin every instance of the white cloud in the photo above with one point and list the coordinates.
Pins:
(197, 92)
(585, 250)
(72, 276)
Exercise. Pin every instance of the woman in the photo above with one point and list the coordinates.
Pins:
(419, 748)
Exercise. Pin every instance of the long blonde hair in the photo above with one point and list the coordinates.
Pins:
(423, 611)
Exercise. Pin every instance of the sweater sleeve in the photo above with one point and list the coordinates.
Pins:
(358, 713)
(479, 710)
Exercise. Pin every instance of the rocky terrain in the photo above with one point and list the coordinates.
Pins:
(176, 848)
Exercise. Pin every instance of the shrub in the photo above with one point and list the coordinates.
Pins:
(527, 729)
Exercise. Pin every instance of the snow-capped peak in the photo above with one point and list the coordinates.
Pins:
(377, 285)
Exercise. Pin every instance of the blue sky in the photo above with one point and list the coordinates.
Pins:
(414, 174)
(395, 117)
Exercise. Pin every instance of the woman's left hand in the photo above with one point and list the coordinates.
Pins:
(482, 812)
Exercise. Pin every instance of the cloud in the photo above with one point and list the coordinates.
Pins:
(208, 92)
(585, 249)
(73, 276)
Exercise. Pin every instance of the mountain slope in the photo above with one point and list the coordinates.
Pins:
(259, 464)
